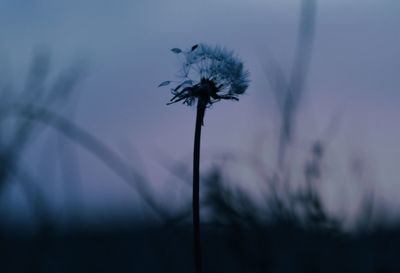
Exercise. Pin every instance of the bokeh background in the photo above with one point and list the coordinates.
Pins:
(106, 59)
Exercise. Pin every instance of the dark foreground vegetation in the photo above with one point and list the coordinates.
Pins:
(280, 247)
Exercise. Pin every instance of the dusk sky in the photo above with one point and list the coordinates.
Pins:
(352, 97)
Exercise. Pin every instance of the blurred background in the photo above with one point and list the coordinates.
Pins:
(95, 171)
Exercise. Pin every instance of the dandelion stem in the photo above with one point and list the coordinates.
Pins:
(201, 108)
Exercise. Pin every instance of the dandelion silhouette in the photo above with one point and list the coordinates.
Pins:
(208, 74)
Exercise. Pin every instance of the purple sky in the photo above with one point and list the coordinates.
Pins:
(354, 78)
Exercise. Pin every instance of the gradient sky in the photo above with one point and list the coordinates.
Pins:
(354, 79)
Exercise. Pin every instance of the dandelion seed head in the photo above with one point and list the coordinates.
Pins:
(211, 73)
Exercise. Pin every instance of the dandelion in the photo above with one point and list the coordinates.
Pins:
(207, 75)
